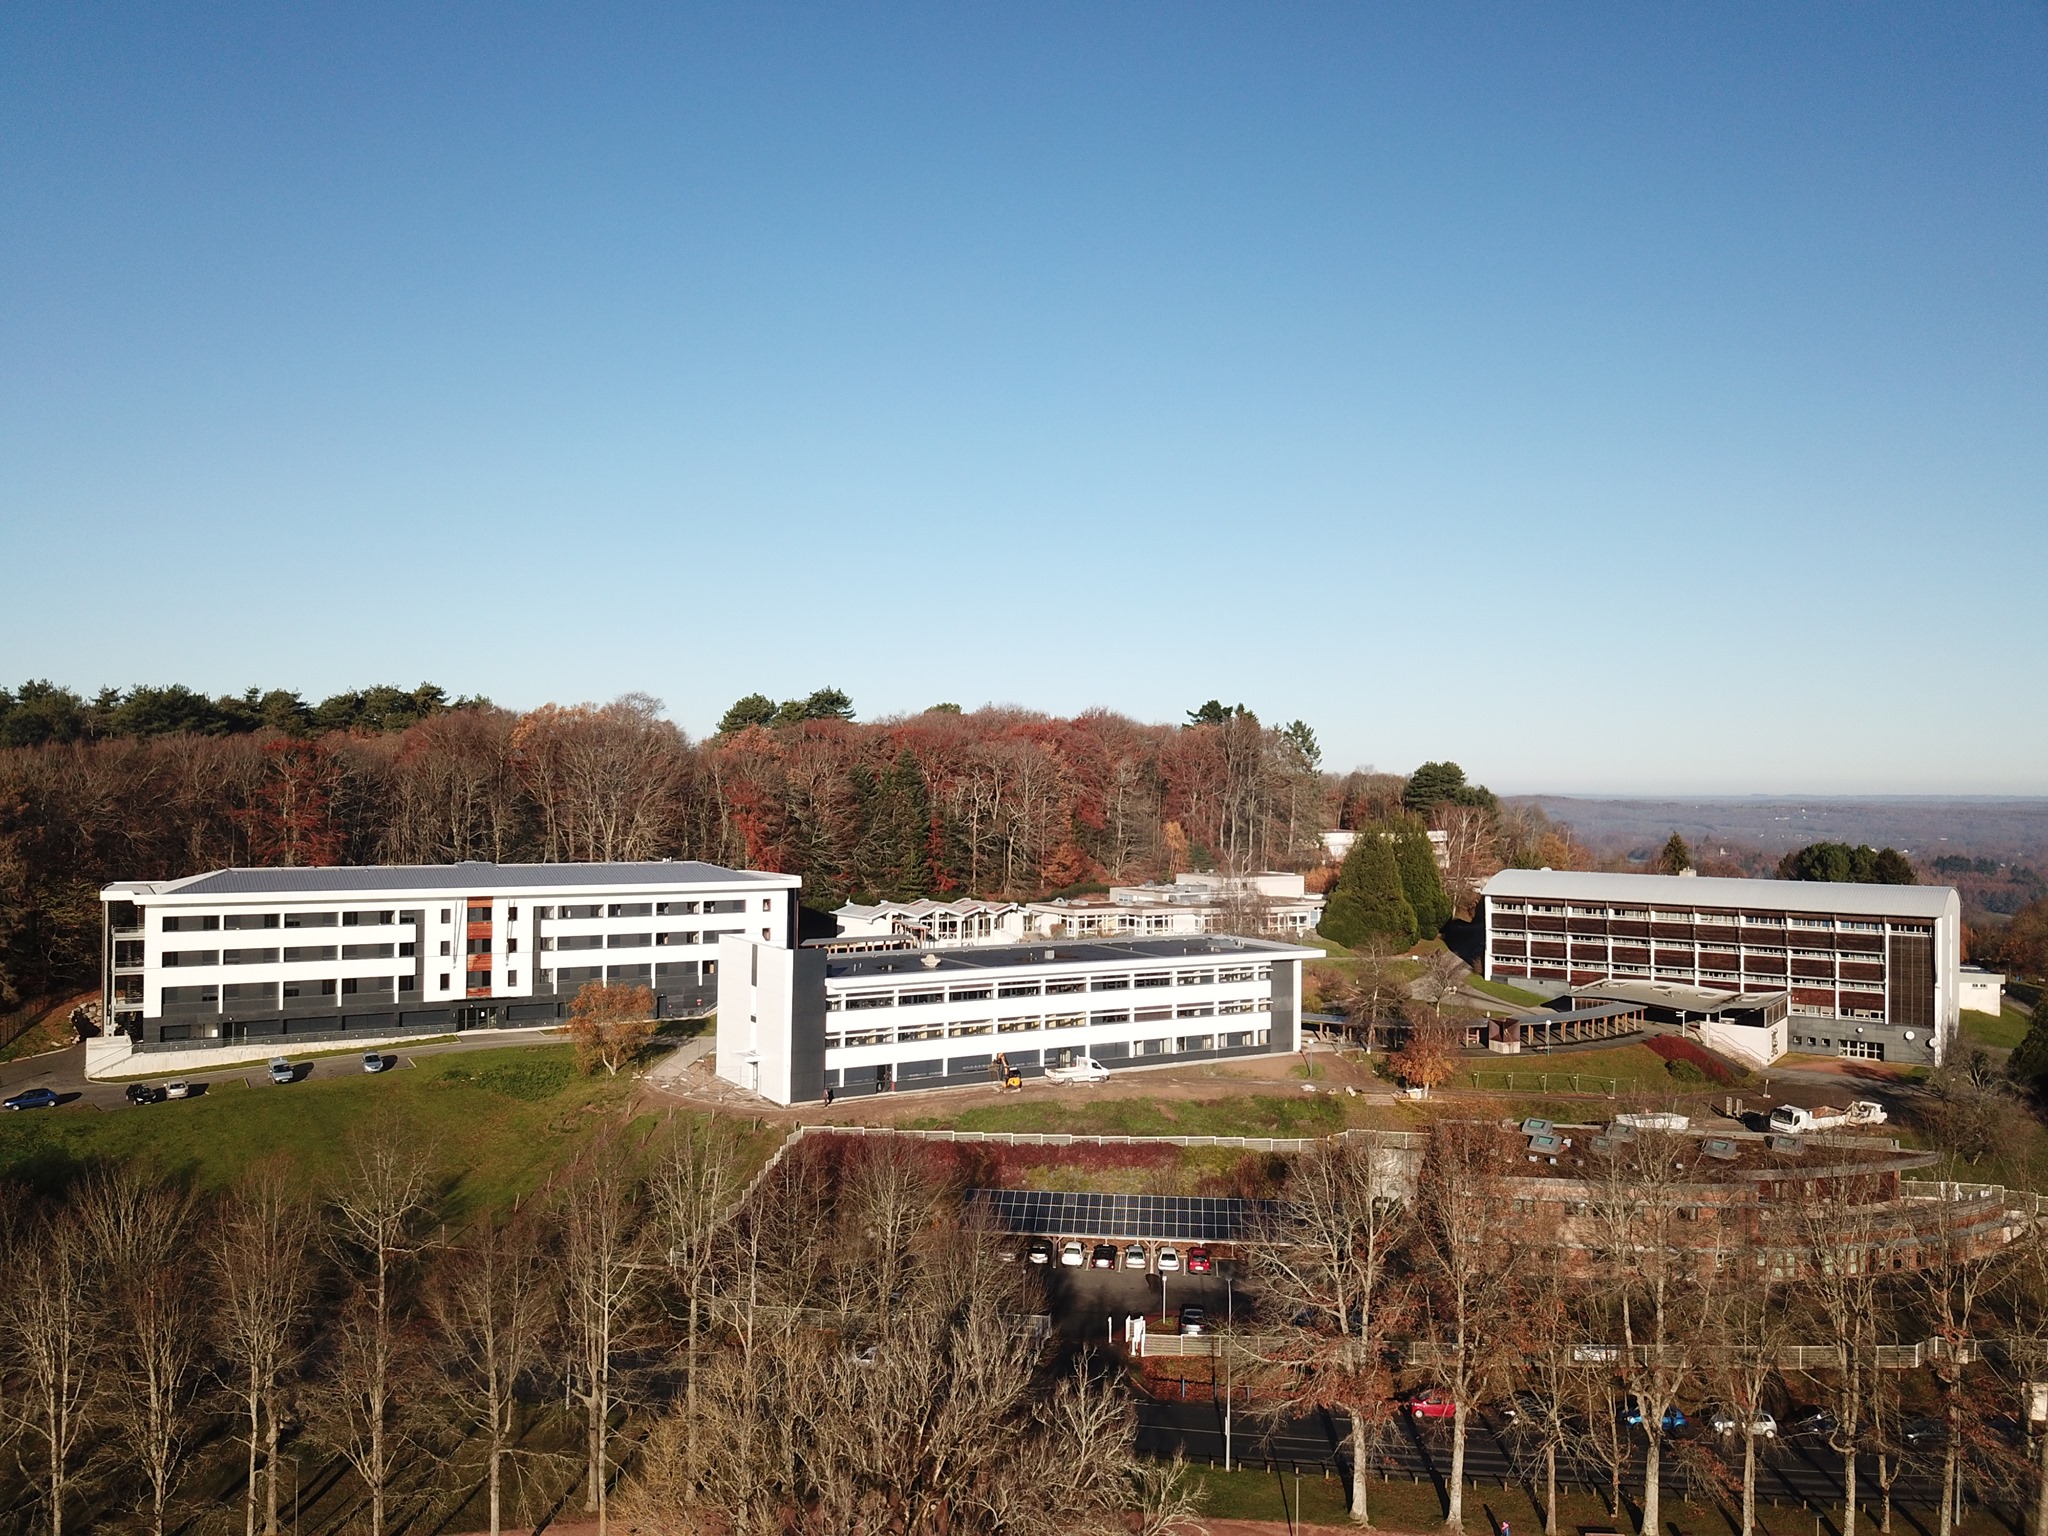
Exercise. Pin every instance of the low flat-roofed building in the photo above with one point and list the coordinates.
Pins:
(1982, 991)
(283, 956)
(927, 924)
(1278, 903)
(1869, 971)
(794, 1024)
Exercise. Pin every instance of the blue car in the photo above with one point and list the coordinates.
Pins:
(34, 1098)
(1633, 1416)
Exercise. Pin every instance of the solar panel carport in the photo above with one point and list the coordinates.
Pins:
(1139, 1218)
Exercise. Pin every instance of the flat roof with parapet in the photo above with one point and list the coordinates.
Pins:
(1716, 892)
(913, 963)
(1665, 994)
(455, 879)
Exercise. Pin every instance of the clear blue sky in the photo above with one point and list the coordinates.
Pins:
(1608, 397)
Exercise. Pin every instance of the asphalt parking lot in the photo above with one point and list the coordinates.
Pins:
(1095, 1302)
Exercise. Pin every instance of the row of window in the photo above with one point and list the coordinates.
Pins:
(1048, 1023)
(1683, 915)
(255, 996)
(674, 937)
(290, 954)
(195, 922)
(911, 997)
(908, 1073)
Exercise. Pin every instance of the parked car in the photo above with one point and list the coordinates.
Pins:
(1431, 1403)
(1808, 1423)
(1084, 1069)
(282, 1071)
(177, 1088)
(1193, 1319)
(1198, 1261)
(1134, 1256)
(1523, 1406)
(144, 1093)
(1039, 1251)
(1674, 1418)
(1008, 1249)
(373, 1061)
(1169, 1260)
(1071, 1256)
(1723, 1421)
(1105, 1256)
(33, 1098)
(1924, 1434)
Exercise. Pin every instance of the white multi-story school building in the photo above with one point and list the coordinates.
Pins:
(254, 956)
(794, 1023)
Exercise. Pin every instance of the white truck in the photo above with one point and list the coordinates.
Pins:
(1791, 1120)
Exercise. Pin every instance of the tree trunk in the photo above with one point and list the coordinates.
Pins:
(1550, 1490)
(1653, 1473)
(1849, 1491)
(2041, 1493)
(255, 1433)
(1360, 1515)
(270, 1472)
(1454, 1517)
(1749, 1479)
(690, 1398)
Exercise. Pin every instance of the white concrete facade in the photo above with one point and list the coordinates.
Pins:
(852, 1024)
(276, 955)
(1982, 991)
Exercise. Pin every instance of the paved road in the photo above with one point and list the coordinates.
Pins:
(65, 1070)
(1790, 1470)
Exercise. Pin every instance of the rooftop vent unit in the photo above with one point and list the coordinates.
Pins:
(1535, 1127)
(1546, 1145)
(1786, 1146)
(930, 962)
(1721, 1149)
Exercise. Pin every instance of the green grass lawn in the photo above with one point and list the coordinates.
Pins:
(498, 1121)
(1250, 1114)
(2003, 1031)
(1504, 992)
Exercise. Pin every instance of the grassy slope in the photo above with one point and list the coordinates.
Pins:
(1250, 1114)
(1506, 993)
(499, 1121)
(2003, 1032)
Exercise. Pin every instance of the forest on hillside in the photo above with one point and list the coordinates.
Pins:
(989, 802)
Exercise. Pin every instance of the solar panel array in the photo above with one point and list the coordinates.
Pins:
(1167, 1218)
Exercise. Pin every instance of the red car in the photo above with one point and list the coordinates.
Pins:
(1432, 1403)
(1198, 1261)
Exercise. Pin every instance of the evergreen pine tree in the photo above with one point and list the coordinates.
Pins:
(1421, 882)
(1676, 858)
(1367, 901)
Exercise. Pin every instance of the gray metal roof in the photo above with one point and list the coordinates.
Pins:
(472, 878)
(1714, 892)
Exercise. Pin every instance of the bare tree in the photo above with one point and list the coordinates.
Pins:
(1953, 1280)
(260, 1262)
(491, 1303)
(695, 1186)
(1326, 1257)
(1660, 1280)
(377, 1213)
(1750, 1318)
(1838, 1224)
(1466, 1255)
(1543, 1297)
(140, 1235)
(889, 1195)
(52, 1311)
(604, 1281)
